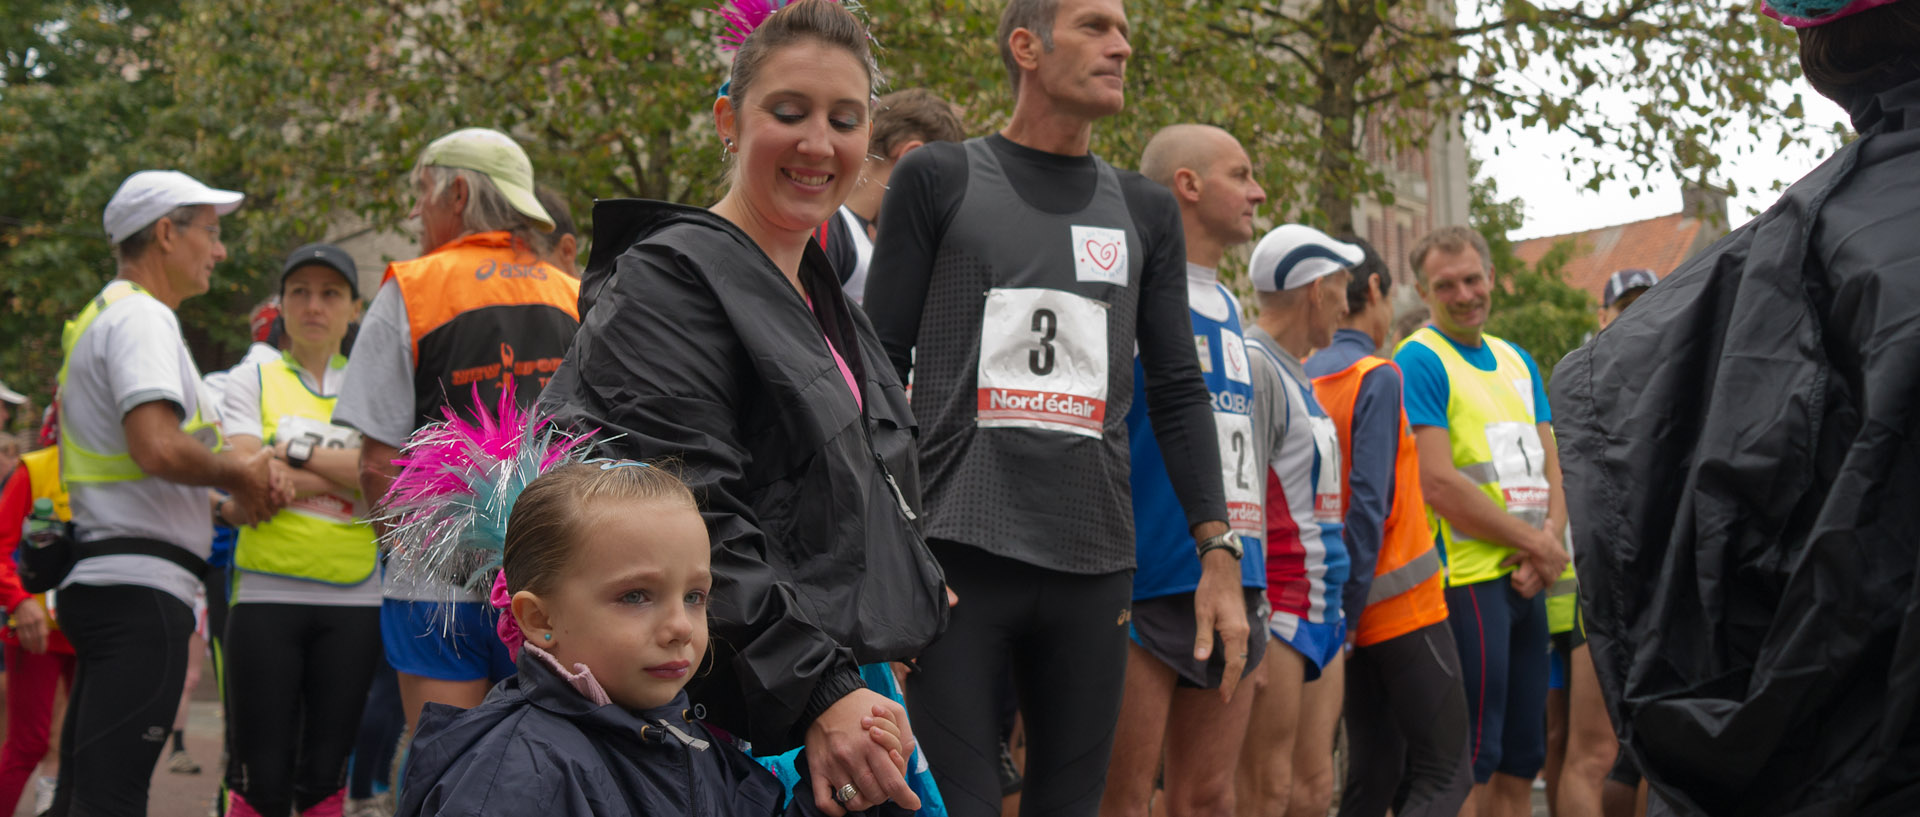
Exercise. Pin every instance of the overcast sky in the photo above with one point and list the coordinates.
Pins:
(1532, 166)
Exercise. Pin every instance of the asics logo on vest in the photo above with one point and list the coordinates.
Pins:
(1232, 402)
(492, 267)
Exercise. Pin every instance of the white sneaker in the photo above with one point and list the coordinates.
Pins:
(43, 787)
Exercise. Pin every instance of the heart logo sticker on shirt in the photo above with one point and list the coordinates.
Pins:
(1099, 255)
(1103, 253)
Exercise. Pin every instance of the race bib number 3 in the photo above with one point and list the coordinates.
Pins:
(1043, 362)
(1246, 483)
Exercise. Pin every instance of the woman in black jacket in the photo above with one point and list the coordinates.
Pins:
(721, 338)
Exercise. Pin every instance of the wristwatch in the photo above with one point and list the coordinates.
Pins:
(299, 452)
(1229, 542)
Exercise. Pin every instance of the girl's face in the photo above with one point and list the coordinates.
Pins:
(801, 131)
(632, 601)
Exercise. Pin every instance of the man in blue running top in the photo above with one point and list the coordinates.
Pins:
(1169, 698)
(1286, 766)
(1015, 275)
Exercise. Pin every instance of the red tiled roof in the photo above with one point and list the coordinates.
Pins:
(1658, 244)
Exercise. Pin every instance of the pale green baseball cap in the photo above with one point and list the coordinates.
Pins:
(499, 158)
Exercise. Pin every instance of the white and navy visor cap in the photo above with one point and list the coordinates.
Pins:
(1295, 255)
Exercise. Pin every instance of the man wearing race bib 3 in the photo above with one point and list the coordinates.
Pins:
(1491, 475)
(1022, 271)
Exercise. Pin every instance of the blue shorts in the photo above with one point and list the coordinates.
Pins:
(1503, 659)
(1318, 642)
(1557, 667)
(418, 642)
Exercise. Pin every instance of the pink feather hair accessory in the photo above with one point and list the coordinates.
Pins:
(446, 513)
(743, 16)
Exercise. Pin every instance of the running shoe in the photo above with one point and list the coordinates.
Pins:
(43, 787)
(1011, 780)
(179, 762)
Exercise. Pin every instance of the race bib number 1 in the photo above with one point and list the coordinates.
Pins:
(1326, 481)
(1520, 463)
(1043, 362)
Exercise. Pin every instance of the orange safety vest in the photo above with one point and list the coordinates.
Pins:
(483, 311)
(1406, 594)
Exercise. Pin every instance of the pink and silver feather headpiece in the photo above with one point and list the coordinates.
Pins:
(447, 510)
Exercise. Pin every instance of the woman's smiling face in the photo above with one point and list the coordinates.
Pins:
(801, 132)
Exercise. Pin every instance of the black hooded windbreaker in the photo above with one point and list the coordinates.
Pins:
(536, 746)
(693, 347)
(1743, 476)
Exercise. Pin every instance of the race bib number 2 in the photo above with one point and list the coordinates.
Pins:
(1246, 485)
(1043, 362)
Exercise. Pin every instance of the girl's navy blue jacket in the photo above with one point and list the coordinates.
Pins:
(536, 746)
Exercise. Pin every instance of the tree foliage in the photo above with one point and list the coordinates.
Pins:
(1533, 305)
(317, 109)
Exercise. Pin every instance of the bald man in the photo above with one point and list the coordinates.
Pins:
(1170, 696)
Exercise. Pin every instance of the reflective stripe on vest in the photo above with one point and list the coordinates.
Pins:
(317, 538)
(1495, 444)
(79, 464)
(1406, 591)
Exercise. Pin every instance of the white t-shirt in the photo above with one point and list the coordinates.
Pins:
(240, 416)
(133, 354)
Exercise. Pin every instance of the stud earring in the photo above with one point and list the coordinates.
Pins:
(548, 636)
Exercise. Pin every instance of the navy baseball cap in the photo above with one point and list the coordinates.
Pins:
(325, 255)
(1625, 281)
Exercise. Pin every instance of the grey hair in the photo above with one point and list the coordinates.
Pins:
(135, 245)
(1033, 15)
(487, 208)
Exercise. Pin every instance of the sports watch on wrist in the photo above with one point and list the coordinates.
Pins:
(1229, 542)
(299, 452)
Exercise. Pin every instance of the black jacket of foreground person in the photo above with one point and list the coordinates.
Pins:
(1742, 459)
(537, 748)
(693, 347)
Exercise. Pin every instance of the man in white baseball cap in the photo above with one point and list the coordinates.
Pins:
(1300, 279)
(138, 451)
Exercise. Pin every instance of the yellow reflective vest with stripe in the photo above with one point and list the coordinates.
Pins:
(77, 463)
(318, 537)
(1496, 445)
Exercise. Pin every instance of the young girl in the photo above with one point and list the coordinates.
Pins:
(606, 565)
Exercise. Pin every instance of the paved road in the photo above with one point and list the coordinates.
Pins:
(176, 795)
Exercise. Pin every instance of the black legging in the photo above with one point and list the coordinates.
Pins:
(297, 678)
(1406, 727)
(130, 662)
(1065, 636)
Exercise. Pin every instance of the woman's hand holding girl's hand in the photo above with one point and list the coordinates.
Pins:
(839, 757)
